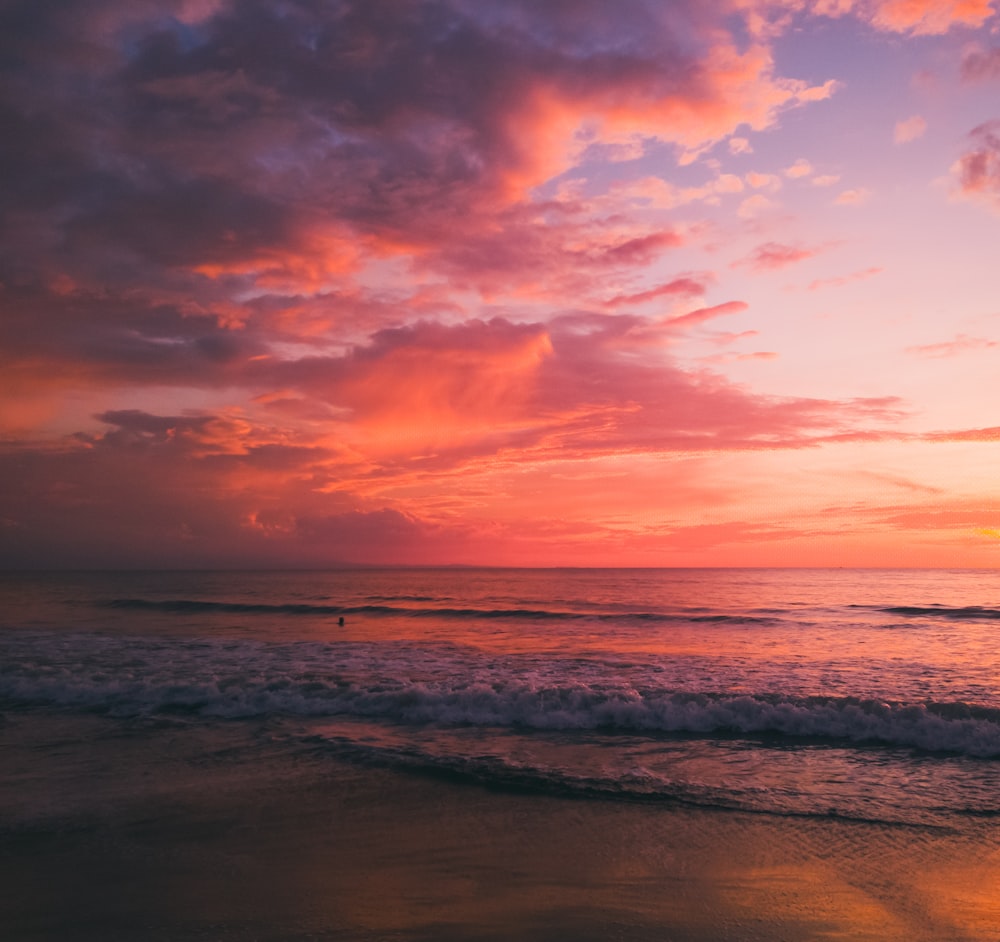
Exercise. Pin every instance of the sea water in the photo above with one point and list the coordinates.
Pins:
(859, 694)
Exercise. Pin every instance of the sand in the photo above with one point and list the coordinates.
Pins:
(112, 831)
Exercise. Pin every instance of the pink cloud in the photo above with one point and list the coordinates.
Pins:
(707, 313)
(764, 181)
(774, 255)
(909, 130)
(295, 281)
(981, 64)
(641, 250)
(842, 280)
(724, 338)
(978, 169)
(758, 355)
(961, 344)
(852, 197)
(801, 168)
(685, 286)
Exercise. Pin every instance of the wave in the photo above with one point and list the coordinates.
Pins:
(199, 606)
(965, 612)
(236, 681)
(639, 785)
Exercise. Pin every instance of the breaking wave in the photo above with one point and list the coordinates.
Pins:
(243, 679)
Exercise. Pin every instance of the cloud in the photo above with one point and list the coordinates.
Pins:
(801, 168)
(426, 404)
(827, 179)
(909, 130)
(978, 169)
(763, 181)
(979, 65)
(853, 197)
(927, 17)
(758, 355)
(685, 286)
(991, 434)
(768, 18)
(949, 348)
(295, 280)
(774, 255)
(289, 151)
(703, 314)
(840, 281)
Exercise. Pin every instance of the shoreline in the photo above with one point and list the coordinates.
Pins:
(171, 833)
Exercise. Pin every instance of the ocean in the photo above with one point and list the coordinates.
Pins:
(831, 698)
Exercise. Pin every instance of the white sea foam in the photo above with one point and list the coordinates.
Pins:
(418, 685)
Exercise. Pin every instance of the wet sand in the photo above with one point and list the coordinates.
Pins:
(136, 832)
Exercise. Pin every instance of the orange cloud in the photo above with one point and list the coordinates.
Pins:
(430, 388)
(966, 435)
(928, 17)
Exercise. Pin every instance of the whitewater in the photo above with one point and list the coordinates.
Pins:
(857, 694)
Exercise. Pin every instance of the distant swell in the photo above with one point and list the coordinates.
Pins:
(967, 612)
(198, 606)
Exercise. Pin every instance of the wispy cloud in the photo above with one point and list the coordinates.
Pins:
(840, 280)
(774, 255)
(909, 129)
(950, 348)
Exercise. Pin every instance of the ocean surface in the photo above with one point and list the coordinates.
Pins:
(868, 695)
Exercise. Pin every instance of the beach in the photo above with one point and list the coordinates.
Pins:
(178, 834)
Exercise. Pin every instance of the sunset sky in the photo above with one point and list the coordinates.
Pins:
(514, 282)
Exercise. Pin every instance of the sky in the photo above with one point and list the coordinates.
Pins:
(501, 282)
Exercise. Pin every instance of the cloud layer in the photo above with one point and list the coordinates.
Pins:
(299, 280)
